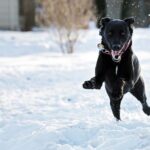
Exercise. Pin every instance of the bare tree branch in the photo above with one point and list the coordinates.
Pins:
(67, 16)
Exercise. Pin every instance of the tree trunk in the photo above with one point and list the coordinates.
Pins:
(100, 10)
(114, 8)
(135, 8)
(27, 10)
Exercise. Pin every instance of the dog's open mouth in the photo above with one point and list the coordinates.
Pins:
(116, 55)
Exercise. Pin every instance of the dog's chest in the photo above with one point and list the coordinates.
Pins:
(112, 72)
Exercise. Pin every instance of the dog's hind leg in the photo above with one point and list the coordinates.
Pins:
(115, 107)
(139, 92)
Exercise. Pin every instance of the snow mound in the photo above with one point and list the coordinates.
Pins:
(44, 107)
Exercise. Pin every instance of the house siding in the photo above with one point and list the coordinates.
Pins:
(9, 14)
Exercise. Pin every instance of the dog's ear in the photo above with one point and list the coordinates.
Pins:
(129, 21)
(103, 23)
(105, 20)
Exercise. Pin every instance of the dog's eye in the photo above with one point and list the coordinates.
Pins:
(122, 33)
(110, 33)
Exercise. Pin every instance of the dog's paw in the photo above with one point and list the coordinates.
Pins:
(146, 110)
(89, 84)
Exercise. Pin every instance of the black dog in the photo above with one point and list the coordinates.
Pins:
(117, 65)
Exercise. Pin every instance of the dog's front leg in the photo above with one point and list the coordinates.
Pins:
(116, 97)
(115, 107)
(96, 82)
(93, 83)
(118, 88)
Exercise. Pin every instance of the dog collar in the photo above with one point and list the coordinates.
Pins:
(115, 54)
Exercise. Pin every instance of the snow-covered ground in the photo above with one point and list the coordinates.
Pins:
(44, 107)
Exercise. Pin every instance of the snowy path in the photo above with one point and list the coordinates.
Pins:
(43, 105)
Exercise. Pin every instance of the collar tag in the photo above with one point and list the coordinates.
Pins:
(100, 46)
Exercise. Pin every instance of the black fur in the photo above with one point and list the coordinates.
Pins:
(127, 77)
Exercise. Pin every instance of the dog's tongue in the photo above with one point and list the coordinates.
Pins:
(114, 53)
(116, 56)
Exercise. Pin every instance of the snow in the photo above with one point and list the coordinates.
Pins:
(44, 107)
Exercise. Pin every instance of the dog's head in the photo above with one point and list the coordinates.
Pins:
(116, 35)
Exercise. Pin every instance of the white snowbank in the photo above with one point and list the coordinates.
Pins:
(43, 105)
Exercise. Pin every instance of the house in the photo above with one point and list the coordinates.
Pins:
(17, 14)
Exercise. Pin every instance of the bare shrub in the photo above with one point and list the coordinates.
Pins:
(67, 16)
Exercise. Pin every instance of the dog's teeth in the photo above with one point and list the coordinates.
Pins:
(116, 59)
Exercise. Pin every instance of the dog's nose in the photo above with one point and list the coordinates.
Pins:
(116, 47)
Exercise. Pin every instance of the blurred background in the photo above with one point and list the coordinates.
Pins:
(67, 16)
(26, 14)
